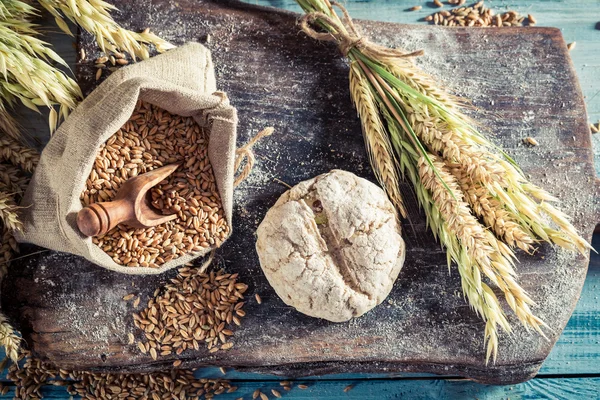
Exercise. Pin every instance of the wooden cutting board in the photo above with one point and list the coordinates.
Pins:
(521, 82)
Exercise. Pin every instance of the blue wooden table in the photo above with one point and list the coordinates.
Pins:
(572, 371)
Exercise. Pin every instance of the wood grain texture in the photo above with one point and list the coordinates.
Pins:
(274, 75)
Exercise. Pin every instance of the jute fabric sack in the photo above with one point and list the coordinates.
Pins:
(181, 81)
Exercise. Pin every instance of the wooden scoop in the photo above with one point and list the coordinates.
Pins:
(131, 206)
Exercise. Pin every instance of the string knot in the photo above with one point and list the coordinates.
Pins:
(245, 153)
(344, 33)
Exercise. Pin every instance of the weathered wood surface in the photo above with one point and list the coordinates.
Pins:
(274, 75)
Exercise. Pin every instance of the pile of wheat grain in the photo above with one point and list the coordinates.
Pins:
(150, 139)
(194, 308)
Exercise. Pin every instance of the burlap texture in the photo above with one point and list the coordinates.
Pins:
(182, 82)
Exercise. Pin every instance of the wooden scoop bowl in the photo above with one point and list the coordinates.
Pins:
(131, 206)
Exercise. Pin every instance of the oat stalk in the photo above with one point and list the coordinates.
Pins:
(477, 202)
(94, 16)
(28, 72)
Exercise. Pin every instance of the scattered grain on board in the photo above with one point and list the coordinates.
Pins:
(82, 54)
(348, 388)
(530, 141)
(531, 19)
(33, 374)
(302, 387)
(276, 393)
(128, 297)
(258, 299)
(223, 371)
(131, 338)
(438, 3)
(122, 61)
(256, 394)
(415, 8)
(150, 139)
(571, 46)
(98, 73)
(193, 308)
(263, 396)
(476, 15)
(595, 129)
(285, 383)
(136, 302)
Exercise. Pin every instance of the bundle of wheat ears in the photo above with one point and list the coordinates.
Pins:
(478, 203)
(29, 75)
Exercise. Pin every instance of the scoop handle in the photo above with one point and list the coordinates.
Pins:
(99, 218)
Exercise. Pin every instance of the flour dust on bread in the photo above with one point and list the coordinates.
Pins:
(331, 246)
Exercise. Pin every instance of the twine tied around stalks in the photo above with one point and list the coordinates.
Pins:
(345, 34)
(245, 153)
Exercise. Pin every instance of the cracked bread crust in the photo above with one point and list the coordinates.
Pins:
(331, 246)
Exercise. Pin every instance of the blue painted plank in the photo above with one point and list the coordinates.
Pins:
(564, 388)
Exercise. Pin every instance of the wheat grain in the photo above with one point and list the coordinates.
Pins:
(476, 15)
(177, 384)
(194, 307)
(150, 139)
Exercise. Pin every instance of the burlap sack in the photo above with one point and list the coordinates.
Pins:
(181, 81)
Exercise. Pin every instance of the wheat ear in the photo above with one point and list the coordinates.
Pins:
(491, 210)
(9, 212)
(19, 155)
(12, 179)
(377, 141)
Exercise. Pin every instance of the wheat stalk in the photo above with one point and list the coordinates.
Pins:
(377, 141)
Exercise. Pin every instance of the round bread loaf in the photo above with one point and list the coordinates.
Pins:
(331, 246)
